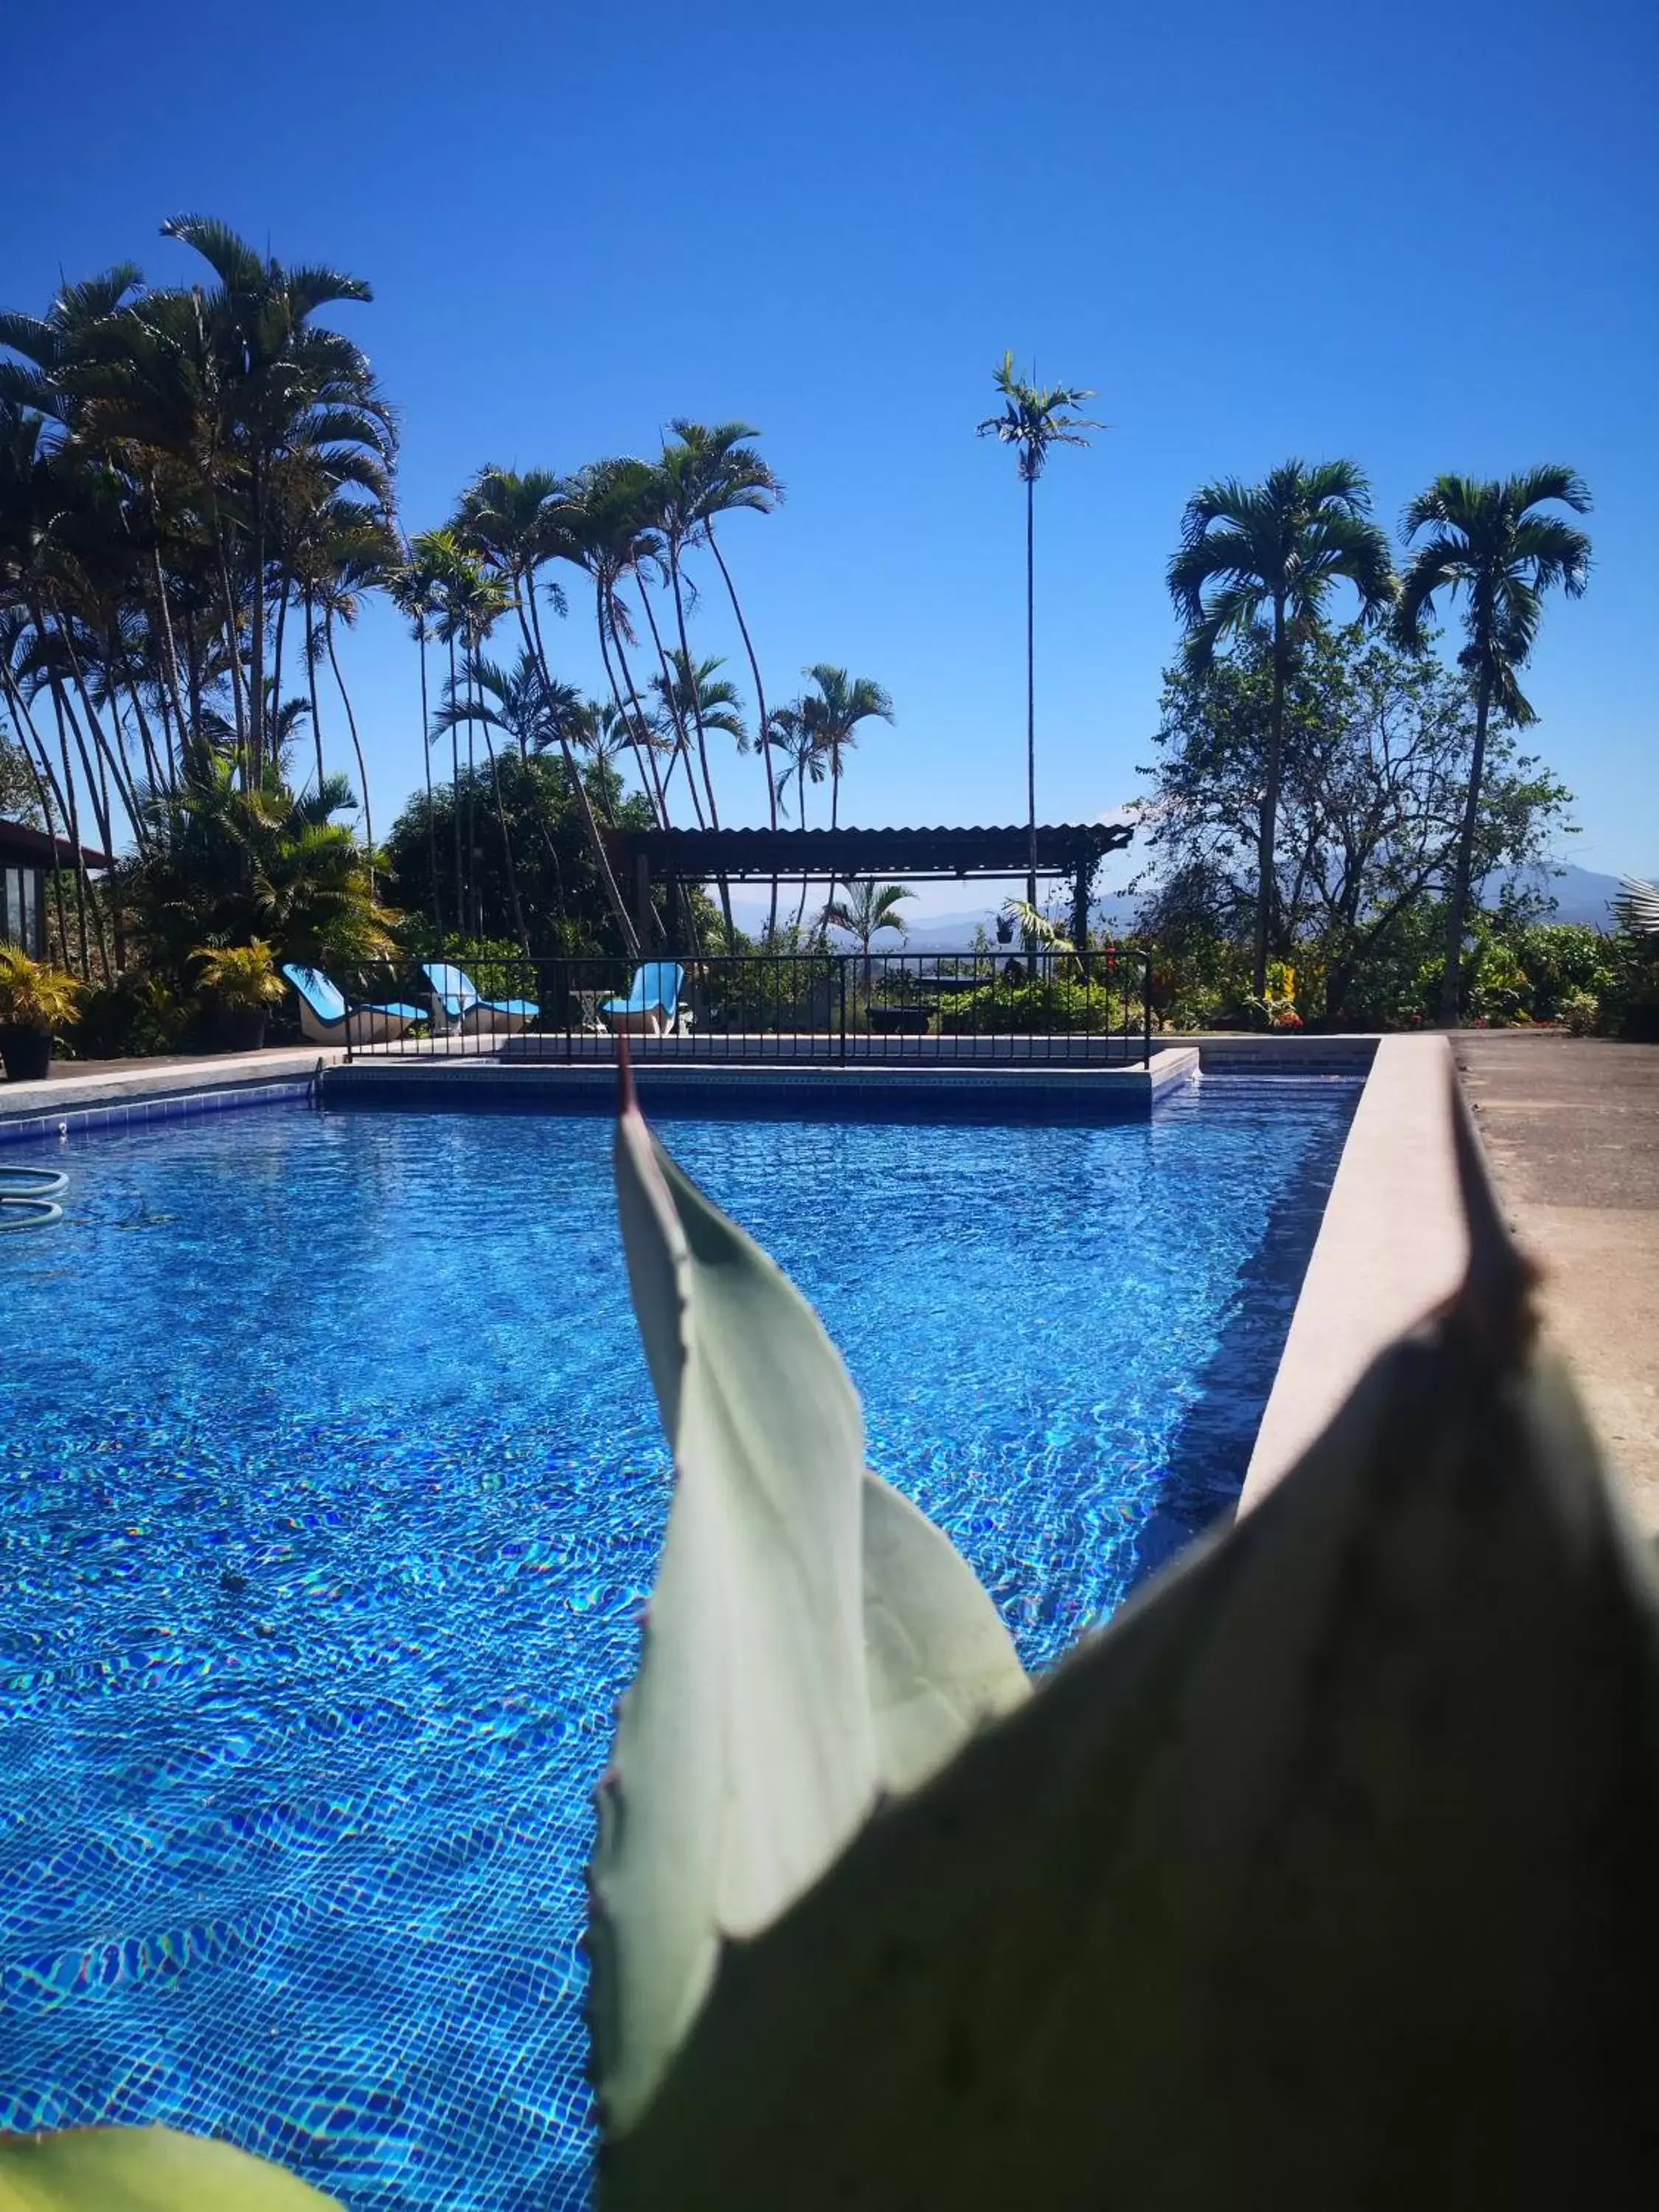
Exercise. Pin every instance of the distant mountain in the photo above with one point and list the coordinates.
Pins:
(1580, 895)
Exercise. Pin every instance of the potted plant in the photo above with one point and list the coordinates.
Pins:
(34, 998)
(239, 985)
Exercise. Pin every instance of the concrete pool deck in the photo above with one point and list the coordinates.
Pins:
(95, 1095)
(1572, 1127)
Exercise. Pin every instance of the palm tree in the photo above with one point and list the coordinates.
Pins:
(603, 520)
(692, 696)
(518, 523)
(833, 714)
(707, 473)
(1249, 551)
(866, 910)
(788, 733)
(1034, 417)
(1488, 541)
(414, 594)
(474, 599)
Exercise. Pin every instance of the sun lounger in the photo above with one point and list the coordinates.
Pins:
(325, 1018)
(456, 1000)
(652, 1007)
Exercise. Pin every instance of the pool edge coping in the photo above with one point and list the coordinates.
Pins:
(1391, 1245)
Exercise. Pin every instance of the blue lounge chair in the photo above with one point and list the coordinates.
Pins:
(326, 1019)
(652, 1007)
(455, 998)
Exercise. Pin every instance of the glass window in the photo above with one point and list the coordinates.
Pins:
(11, 905)
(33, 934)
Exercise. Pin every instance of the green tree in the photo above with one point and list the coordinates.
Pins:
(692, 695)
(228, 863)
(1375, 746)
(19, 786)
(832, 715)
(1272, 552)
(708, 472)
(563, 898)
(1034, 417)
(865, 911)
(1489, 542)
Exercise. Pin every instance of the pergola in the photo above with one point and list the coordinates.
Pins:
(644, 858)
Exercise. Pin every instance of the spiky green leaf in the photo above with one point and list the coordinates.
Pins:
(142, 2170)
(759, 1731)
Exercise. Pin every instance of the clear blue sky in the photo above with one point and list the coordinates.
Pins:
(1428, 244)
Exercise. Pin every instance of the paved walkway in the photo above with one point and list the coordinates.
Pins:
(1572, 1127)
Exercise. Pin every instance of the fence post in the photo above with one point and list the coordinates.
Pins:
(1146, 1006)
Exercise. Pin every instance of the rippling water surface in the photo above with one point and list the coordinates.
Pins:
(331, 1485)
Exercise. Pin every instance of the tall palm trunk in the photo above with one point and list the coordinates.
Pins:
(171, 659)
(800, 808)
(311, 684)
(233, 649)
(1030, 687)
(676, 715)
(722, 879)
(112, 764)
(257, 700)
(455, 800)
(431, 818)
(686, 912)
(357, 747)
(1267, 829)
(1451, 984)
(761, 725)
(71, 807)
(519, 930)
(276, 666)
(590, 826)
(638, 736)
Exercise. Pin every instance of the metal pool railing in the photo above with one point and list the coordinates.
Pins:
(981, 1009)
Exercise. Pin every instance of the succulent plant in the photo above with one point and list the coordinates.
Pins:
(142, 2170)
(1324, 1875)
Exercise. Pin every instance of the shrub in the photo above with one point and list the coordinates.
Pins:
(1022, 1007)
(137, 1015)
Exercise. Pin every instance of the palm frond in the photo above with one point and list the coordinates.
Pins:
(1638, 906)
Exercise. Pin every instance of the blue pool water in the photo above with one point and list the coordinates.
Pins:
(329, 1488)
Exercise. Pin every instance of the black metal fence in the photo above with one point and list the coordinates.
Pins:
(998, 1008)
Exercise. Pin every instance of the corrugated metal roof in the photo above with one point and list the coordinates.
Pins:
(18, 842)
(993, 850)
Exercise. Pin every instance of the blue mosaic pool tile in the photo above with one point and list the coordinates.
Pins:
(330, 1488)
(87, 1120)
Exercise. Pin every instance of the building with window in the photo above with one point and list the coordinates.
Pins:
(26, 857)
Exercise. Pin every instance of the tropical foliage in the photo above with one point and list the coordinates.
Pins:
(1268, 556)
(1374, 746)
(1489, 545)
(1034, 419)
(196, 501)
(33, 995)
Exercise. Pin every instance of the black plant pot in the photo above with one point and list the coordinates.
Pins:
(27, 1053)
(240, 1028)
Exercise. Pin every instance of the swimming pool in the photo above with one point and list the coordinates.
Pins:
(331, 1487)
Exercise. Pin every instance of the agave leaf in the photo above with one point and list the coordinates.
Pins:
(142, 2170)
(750, 1746)
(1325, 1875)
(941, 1660)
